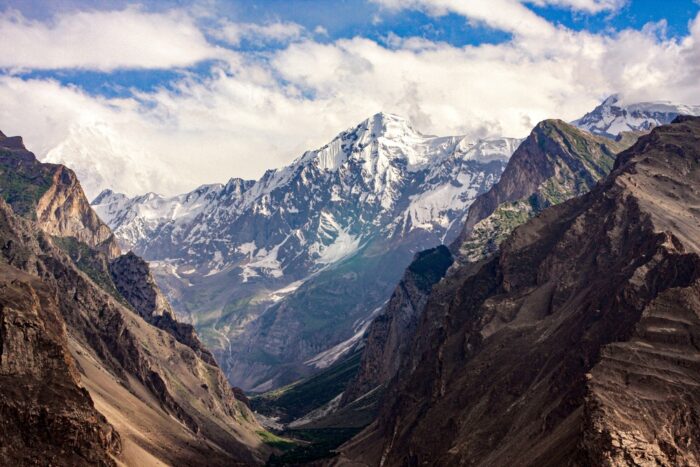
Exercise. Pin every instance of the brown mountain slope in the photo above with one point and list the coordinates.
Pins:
(133, 280)
(167, 402)
(555, 163)
(44, 414)
(576, 344)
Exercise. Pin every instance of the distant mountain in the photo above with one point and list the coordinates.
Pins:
(614, 116)
(94, 367)
(282, 275)
(573, 344)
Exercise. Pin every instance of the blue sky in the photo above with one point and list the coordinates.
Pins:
(163, 96)
(341, 19)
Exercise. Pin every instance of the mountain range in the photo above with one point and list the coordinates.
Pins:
(283, 275)
(431, 300)
(574, 343)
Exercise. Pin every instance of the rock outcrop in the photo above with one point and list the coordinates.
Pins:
(133, 280)
(575, 344)
(556, 162)
(88, 379)
(52, 195)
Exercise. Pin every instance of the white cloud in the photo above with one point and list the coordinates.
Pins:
(506, 15)
(590, 6)
(103, 40)
(279, 31)
(254, 112)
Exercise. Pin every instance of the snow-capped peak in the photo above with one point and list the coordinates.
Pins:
(389, 126)
(614, 116)
(387, 140)
(381, 129)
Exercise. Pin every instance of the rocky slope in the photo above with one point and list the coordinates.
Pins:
(281, 276)
(575, 344)
(86, 380)
(133, 280)
(555, 163)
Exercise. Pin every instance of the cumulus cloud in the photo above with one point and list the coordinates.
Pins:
(104, 40)
(255, 111)
(279, 31)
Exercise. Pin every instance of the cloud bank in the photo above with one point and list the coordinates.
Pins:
(254, 110)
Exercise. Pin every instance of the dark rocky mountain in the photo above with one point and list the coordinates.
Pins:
(555, 163)
(46, 417)
(86, 380)
(389, 336)
(282, 276)
(574, 343)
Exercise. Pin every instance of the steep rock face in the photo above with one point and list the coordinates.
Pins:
(389, 336)
(52, 195)
(46, 418)
(576, 343)
(133, 280)
(167, 403)
(555, 163)
(282, 276)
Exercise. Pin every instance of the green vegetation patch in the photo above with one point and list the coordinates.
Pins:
(275, 441)
(92, 262)
(298, 399)
(315, 445)
(23, 181)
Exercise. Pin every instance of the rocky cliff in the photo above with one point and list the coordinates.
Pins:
(575, 344)
(50, 194)
(389, 336)
(45, 415)
(133, 280)
(89, 380)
